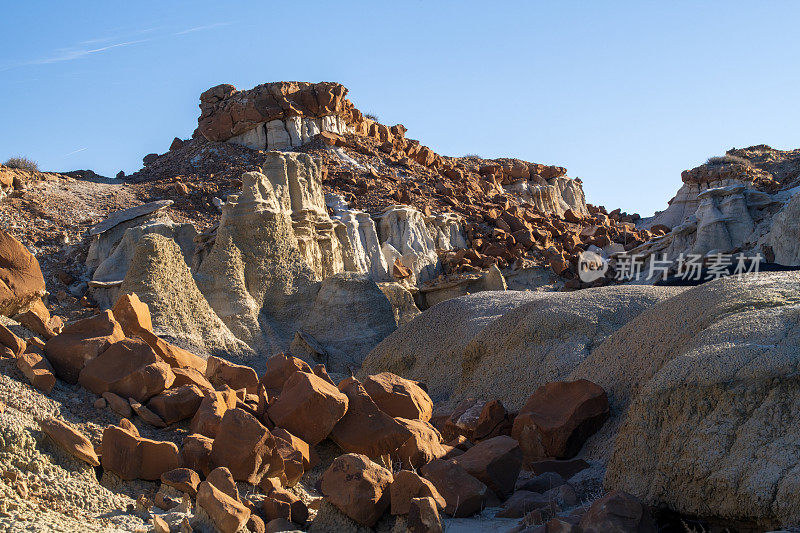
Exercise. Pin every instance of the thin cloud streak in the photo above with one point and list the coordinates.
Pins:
(75, 152)
(67, 54)
(84, 49)
(203, 28)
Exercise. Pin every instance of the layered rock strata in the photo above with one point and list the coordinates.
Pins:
(741, 201)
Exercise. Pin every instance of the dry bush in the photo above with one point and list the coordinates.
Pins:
(22, 163)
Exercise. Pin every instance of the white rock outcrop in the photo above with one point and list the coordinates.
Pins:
(106, 235)
(405, 236)
(784, 235)
(742, 201)
(274, 269)
(359, 238)
(289, 133)
(447, 231)
(553, 196)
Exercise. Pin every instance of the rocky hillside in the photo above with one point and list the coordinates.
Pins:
(302, 319)
(743, 201)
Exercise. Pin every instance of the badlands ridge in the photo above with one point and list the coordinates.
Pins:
(302, 319)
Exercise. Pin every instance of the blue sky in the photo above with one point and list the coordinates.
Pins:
(623, 94)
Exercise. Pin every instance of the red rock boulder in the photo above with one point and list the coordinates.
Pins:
(196, 453)
(423, 447)
(221, 372)
(38, 371)
(357, 487)
(279, 368)
(81, 342)
(228, 514)
(130, 456)
(423, 516)
(558, 418)
(618, 511)
(129, 368)
(308, 407)
(464, 495)
(406, 486)
(365, 429)
(70, 440)
(212, 408)
(399, 397)
(132, 314)
(496, 462)
(177, 404)
(21, 280)
(12, 342)
(245, 447)
(183, 479)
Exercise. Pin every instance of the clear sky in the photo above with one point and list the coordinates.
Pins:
(623, 94)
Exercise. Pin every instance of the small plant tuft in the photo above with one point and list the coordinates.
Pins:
(22, 163)
(727, 159)
(472, 155)
(371, 116)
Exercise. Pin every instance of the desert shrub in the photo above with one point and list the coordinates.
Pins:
(22, 163)
(471, 155)
(727, 159)
(371, 116)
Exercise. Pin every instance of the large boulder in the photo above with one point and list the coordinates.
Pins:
(245, 447)
(406, 486)
(278, 369)
(130, 456)
(704, 387)
(358, 487)
(128, 368)
(399, 397)
(21, 281)
(464, 495)
(308, 407)
(70, 440)
(559, 417)
(228, 514)
(505, 344)
(364, 428)
(212, 408)
(618, 511)
(496, 462)
(177, 403)
(221, 372)
(424, 445)
(80, 342)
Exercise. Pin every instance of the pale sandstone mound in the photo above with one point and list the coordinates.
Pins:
(160, 277)
(258, 287)
(710, 380)
(506, 344)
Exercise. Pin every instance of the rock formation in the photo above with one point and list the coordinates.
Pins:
(741, 201)
(285, 302)
(707, 383)
(504, 344)
(21, 281)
